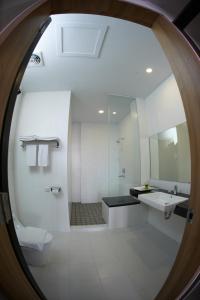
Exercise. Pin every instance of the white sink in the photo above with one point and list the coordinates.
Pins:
(161, 201)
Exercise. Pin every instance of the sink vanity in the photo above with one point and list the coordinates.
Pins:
(169, 170)
(124, 211)
(162, 201)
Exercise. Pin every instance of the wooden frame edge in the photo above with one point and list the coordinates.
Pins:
(14, 279)
(185, 64)
(186, 67)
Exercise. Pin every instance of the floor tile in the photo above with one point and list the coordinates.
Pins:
(120, 287)
(86, 214)
(117, 264)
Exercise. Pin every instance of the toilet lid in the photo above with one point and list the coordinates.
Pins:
(32, 237)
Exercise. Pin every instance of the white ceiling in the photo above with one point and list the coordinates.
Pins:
(117, 66)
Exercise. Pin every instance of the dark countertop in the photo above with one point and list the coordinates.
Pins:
(120, 201)
(181, 209)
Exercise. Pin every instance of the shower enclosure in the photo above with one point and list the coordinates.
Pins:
(105, 149)
(123, 145)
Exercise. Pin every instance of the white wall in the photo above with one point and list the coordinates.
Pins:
(143, 141)
(113, 167)
(161, 110)
(164, 107)
(95, 162)
(129, 151)
(69, 164)
(76, 162)
(43, 114)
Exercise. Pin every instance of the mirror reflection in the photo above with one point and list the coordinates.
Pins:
(79, 161)
(170, 154)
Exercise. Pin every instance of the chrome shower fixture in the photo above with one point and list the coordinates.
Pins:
(119, 140)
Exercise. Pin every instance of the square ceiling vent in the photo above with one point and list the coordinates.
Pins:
(80, 39)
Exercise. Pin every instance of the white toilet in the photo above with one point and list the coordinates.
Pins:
(35, 243)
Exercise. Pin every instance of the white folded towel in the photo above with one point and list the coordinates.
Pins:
(43, 155)
(31, 155)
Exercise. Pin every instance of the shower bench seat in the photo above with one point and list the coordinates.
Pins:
(123, 211)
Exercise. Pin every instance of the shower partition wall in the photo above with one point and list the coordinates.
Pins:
(123, 147)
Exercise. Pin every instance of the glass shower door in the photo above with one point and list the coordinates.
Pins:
(124, 150)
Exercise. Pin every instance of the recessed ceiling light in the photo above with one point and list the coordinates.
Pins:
(101, 111)
(149, 70)
(114, 113)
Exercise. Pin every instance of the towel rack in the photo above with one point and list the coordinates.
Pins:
(38, 140)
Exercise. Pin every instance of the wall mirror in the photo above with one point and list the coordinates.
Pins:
(170, 154)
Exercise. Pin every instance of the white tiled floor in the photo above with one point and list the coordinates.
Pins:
(119, 264)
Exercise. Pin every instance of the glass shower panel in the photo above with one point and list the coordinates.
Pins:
(124, 150)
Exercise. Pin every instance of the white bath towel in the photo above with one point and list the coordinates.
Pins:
(31, 155)
(43, 155)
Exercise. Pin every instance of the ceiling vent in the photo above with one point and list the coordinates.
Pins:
(36, 60)
(80, 40)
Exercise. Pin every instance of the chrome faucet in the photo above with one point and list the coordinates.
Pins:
(123, 173)
(175, 189)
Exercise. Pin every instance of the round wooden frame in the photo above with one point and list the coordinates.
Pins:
(15, 40)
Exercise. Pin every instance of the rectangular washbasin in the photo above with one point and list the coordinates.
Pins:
(160, 200)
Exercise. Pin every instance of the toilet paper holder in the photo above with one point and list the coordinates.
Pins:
(53, 189)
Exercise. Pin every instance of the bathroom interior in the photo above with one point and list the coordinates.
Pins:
(99, 161)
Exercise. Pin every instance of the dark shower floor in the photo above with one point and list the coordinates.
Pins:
(86, 214)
